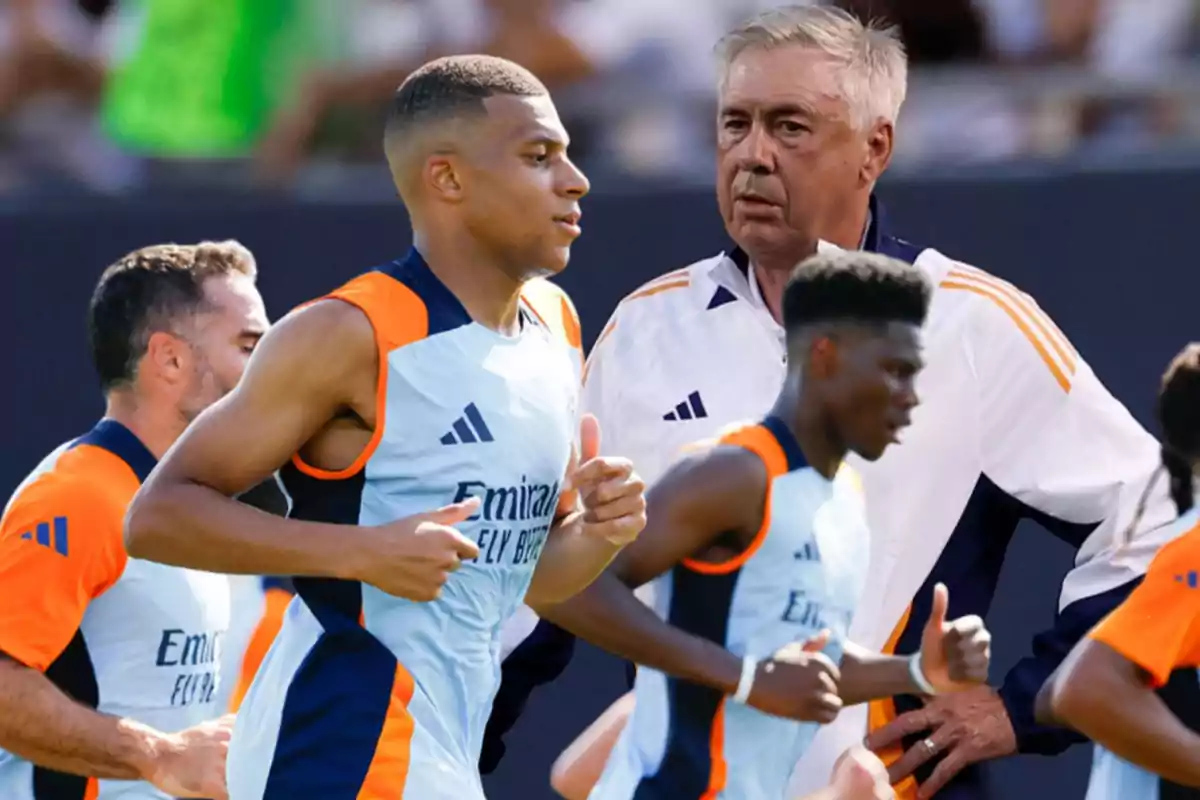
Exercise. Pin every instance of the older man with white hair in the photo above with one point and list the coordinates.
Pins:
(1013, 424)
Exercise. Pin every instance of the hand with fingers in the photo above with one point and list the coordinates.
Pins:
(191, 763)
(955, 655)
(612, 496)
(964, 720)
(415, 556)
(799, 682)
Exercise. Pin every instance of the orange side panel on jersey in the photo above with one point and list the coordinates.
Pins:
(1158, 625)
(61, 546)
(277, 601)
(882, 712)
(399, 317)
(93, 789)
(718, 776)
(1045, 326)
(389, 767)
(1005, 305)
(762, 443)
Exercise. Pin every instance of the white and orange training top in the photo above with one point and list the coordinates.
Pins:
(127, 637)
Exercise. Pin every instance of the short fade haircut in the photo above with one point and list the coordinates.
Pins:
(453, 86)
(873, 65)
(854, 286)
(151, 290)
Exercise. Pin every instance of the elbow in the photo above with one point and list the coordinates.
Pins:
(1070, 701)
(146, 523)
(565, 782)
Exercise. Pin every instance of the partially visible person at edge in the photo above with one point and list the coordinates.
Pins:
(1133, 685)
(1013, 424)
(109, 665)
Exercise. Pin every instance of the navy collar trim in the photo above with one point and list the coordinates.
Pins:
(791, 448)
(114, 437)
(879, 239)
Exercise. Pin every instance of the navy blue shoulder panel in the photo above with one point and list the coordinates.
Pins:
(114, 437)
(445, 310)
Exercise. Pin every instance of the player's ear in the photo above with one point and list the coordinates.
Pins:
(822, 357)
(878, 152)
(444, 176)
(169, 356)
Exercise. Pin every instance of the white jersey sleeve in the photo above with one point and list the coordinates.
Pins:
(1060, 444)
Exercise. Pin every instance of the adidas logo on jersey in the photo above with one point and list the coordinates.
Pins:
(692, 408)
(42, 532)
(469, 428)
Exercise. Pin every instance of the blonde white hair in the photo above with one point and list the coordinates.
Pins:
(873, 66)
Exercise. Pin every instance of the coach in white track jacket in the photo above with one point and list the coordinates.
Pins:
(1013, 424)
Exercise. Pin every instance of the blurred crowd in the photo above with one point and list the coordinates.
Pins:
(117, 95)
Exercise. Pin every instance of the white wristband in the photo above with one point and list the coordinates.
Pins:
(918, 675)
(746, 682)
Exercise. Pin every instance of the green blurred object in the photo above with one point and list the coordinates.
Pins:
(200, 78)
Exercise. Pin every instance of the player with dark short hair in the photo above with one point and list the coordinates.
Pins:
(424, 420)
(109, 666)
(763, 542)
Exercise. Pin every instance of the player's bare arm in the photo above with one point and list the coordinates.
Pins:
(310, 388)
(42, 725)
(707, 507)
(1107, 697)
(607, 511)
(954, 656)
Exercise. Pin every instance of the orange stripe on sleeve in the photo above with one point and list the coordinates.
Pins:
(760, 441)
(658, 288)
(61, 546)
(388, 771)
(882, 712)
(1158, 625)
(399, 317)
(1060, 376)
(1025, 303)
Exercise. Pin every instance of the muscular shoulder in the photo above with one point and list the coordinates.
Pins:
(726, 482)
(327, 335)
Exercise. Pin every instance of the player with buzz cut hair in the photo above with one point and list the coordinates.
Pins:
(423, 419)
(109, 665)
(763, 546)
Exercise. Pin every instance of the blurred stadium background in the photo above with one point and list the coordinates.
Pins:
(1055, 142)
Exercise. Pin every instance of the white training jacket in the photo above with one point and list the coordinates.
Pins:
(1012, 425)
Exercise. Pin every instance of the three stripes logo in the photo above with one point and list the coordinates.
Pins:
(41, 534)
(692, 408)
(469, 428)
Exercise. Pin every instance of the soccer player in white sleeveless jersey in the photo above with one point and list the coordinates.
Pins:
(423, 418)
(1133, 685)
(763, 541)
